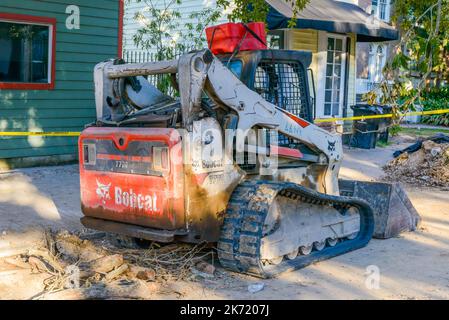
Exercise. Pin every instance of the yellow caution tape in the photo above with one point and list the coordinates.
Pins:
(40, 134)
(378, 116)
(383, 116)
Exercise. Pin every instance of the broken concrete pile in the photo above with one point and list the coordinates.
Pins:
(428, 166)
(98, 268)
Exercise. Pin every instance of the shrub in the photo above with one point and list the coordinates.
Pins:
(436, 100)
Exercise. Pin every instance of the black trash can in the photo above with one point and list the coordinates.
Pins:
(384, 125)
(367, 132)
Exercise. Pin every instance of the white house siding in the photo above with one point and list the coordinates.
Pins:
(368, 61)
(350, 1)
(186, 8)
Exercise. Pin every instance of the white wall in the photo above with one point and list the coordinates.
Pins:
(186, 8)
(356, 2)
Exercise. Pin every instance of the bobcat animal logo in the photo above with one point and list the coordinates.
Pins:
(103, 191)
(331, 146)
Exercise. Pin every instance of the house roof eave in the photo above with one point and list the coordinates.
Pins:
(339, 17)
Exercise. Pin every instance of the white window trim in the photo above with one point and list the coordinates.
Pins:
(322, 74)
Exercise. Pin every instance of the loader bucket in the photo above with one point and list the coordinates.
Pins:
(393, 211)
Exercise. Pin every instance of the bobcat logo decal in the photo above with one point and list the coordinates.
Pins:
(103, 191)
(331, 146)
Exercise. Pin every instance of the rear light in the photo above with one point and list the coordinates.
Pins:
(160, 159)
(89, 154)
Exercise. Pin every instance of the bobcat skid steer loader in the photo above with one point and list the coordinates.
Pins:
(233, 160)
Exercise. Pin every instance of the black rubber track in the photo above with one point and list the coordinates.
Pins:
(239, 244)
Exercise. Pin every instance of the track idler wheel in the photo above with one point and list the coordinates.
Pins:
(319, 245)
(352, 236)
(275, 261)
(292, 255)
(332, 242)
(306, 250)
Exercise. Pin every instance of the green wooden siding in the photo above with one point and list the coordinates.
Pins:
(71, 105)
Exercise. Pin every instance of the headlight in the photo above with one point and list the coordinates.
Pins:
(160, 159)
(89, 154)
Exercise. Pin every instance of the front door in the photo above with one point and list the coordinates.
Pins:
(335, 76)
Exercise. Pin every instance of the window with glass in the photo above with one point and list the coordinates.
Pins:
(275, 39)
(376, 62)
(334, 76)
(26, 54)
(379, 63)
(383, 9)
(236, 67)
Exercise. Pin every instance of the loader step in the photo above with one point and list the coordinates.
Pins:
(164, 236)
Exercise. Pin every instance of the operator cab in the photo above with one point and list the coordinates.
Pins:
(279, 76)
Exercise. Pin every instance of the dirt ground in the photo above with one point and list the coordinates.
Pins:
(413, 266)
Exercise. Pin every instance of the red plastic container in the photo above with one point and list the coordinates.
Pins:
(225, 38)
